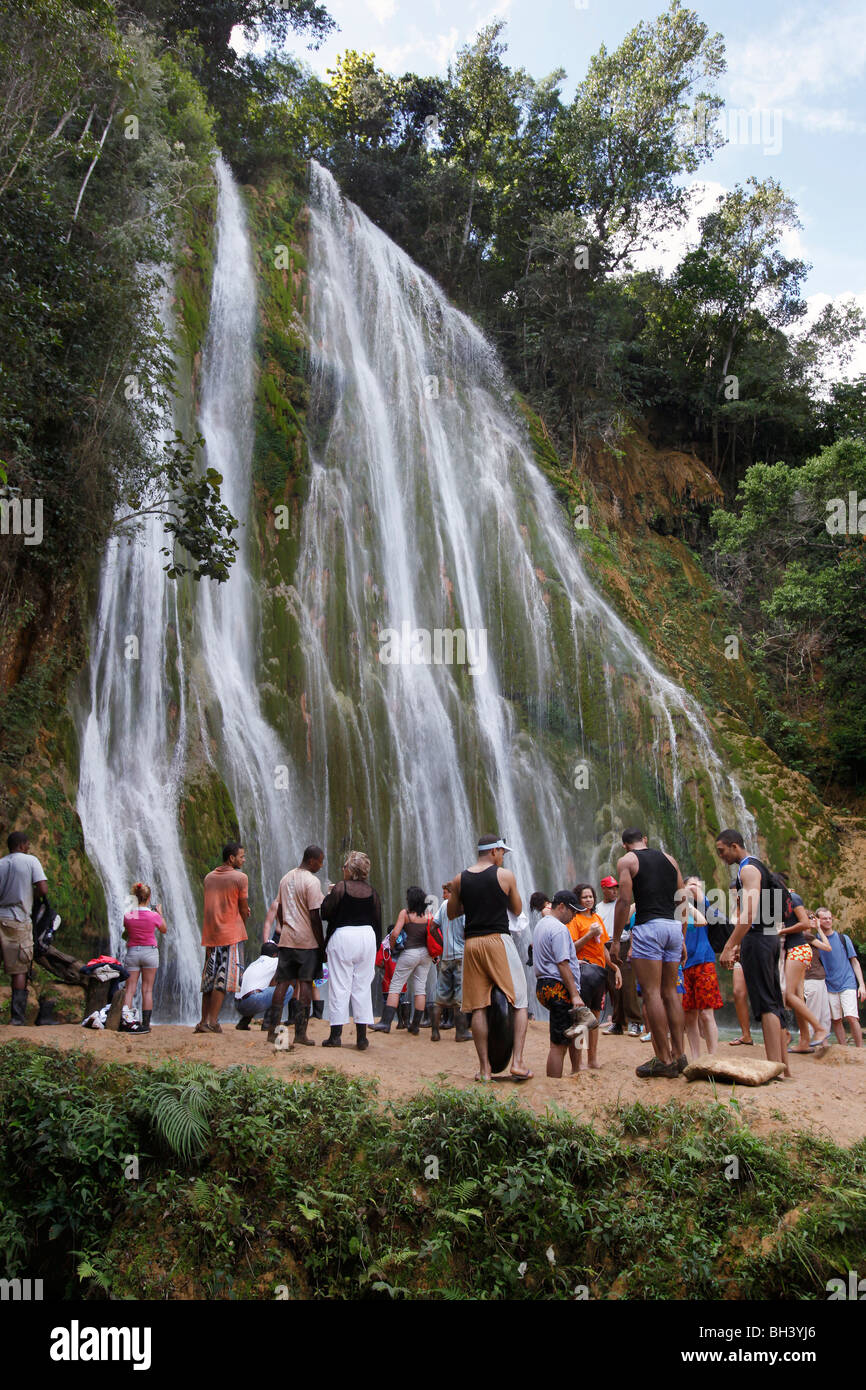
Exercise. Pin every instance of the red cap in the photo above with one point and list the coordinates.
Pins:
(609, 882)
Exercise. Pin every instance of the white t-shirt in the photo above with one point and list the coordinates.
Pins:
(258, 975)
(605, 912)
(19, 872)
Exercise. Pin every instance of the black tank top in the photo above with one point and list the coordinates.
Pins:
(654, 887)
(484, 903)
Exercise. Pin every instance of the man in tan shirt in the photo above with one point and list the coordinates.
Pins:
(302, 942)
(226, 909)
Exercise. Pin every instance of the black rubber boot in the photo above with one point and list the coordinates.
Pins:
(243, 1024)
(403, 1014)
(271, 1021)
(292, 1015)
(318, 1008)
(335, 1038)
(18, 1014)
(434, 1028)
(362, 1042)
(144, 1025)
(463, 1033)
(384, 1024)
(425, 1019)
(301, 1022)
(415, 1025)
(45, 1015)
(447, 1019)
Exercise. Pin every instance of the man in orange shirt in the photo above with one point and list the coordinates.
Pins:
(589, 934)
(226, 909)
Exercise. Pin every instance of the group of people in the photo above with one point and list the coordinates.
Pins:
(646, 945)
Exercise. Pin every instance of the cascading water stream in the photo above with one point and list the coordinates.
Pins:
(132, 740)
(426, 511)
(248, 753)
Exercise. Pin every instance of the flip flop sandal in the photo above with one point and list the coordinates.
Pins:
(201, 1028)
(484, 1080)
(521, 1075)
(742, 1042)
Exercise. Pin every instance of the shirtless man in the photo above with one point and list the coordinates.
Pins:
(484, 893)
(658, 945)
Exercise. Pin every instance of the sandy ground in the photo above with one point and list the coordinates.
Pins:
(825, 1095)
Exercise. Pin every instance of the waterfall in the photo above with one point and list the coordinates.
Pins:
(456, 670)
(249, 755)
(427, 512)
(132, 737)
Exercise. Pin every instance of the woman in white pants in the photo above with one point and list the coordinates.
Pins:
(413, 962)
(354, 915)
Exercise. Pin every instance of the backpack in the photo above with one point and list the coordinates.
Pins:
(781, 902)
(435, 944)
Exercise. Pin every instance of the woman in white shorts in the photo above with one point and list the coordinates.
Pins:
(142, 957)
(413, 962)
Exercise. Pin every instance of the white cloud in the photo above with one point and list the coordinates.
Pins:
(434, 52)
(807, 55)
(674, 245)
(815, 306)
(382, 9)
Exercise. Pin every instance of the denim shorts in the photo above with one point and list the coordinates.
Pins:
(141, 958)
(449, 986)
(659, 939)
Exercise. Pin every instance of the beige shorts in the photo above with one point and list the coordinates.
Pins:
(16, 939)
(489, 961)
(844, 1005)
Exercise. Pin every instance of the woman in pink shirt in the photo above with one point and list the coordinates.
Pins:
(142, 956)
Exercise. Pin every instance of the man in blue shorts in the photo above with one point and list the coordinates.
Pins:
(658, 945)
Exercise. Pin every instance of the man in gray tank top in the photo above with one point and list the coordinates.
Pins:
(658, 945)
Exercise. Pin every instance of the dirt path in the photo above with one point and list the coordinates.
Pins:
(825, 1095)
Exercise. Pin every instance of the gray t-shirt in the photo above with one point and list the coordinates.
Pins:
(551, 944)
(18, 873)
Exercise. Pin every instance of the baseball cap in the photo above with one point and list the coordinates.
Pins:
(566, 896)
(609, 882)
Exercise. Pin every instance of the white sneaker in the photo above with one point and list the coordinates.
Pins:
(645, 1037)
(634, 1030)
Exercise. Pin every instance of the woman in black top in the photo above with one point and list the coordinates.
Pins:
(354, 915)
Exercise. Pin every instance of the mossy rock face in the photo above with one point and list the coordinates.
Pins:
(208, 818)
(660, 589)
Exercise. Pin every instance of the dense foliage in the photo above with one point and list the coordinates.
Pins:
(529, 210)
(795, 560)
(244, 1186)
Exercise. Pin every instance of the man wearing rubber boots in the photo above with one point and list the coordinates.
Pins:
(449, 983)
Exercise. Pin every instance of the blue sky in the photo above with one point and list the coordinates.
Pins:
(801, 66)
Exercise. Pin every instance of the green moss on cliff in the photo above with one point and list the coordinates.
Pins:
(659, 587)
(208, 818)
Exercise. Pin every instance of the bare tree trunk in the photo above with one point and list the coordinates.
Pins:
(87, 123)
(91, 168)
(468, 224)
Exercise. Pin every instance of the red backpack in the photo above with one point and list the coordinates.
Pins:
(435, 944)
